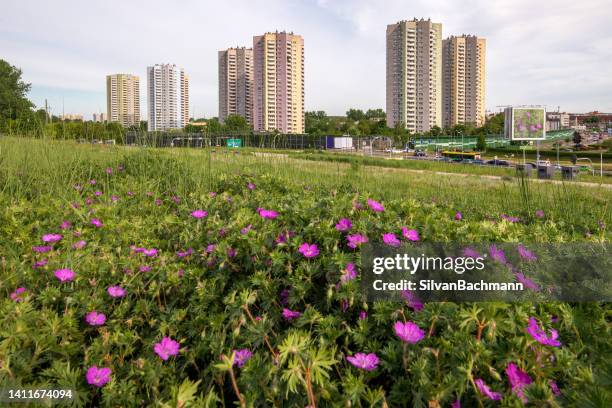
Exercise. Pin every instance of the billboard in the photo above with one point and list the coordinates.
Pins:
(525, 123)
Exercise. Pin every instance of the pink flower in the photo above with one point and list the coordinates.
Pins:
(116, 291)
(539, 213)
(246, 229)
(158, 202)
(408, 332)
(554, 387)
(183, 254)
(241, 357)
(484, 390)
(144, 268)
(231, 252)
(526, 254)
(471, 253)
(251, 186)
(541, 336)
(92, 182)
(391, 240)
(64, 275)
(109, 170)
(518, 380)
(150, 252)
(96, 223)
(42, 249)
(375, 206)
(16, 295)
(349, 273)
(267, 214)
(410, 235)
(308, 250)
(289, 314)
(199, 214)
(210, 248)
(356, 240)
(65, 225)
(344, 225)
(363, 315)
(456, 404)
(51, 238)
(79, 244)
(98, 193)
(94, 318)
(40, 264)
(412, 300)
(527, 282)
(364, 361)
(497, 254)
(98, 376)
(458, 216)
(166, 348)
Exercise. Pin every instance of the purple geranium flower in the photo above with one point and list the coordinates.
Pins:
(16, 295)
(456, 404)
(344, 225)
(554, 387)
(355, 240)
(289, 314)
(182, 254)
(65, 225)
(539, 213)
(94, 318)
(51, 238)
(79, 244)
(412, 300)
(109, 170)
(267, 214)
(152, 252)
(64, 275)
(484, 390)
(525, 253)
(410, 235)
(166, 348)
(42, 249)
(241, 357)
(527, 282)
(210, 248)
(408, 332)
(375, 206)
(116, 291)
(98, 376)
(96, 223)
(231, 252)
(458, 216)
(390, 239)
(540, 334)
(362, 315)
(246, 229)
(364, 361)
(497, 254)
(518, 380)
(308, 250)
(40, 264)
(144, 268)
(251, 186)
(471, 253)
(349, 273)
(199, 214)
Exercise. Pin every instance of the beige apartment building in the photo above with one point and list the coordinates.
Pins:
(463, 80)
(236, 83)
(414, 75)
(123, 99)
(278, 65)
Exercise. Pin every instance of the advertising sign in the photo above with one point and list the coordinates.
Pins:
(525, 123)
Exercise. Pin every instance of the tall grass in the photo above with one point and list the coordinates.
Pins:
(33, 169)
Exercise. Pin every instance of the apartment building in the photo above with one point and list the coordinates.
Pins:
(236, 83)
(278, 65)
(168, 97)
(463, 80)
(414, 75)
(123, 99)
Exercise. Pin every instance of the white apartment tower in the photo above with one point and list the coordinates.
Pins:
(168, 97)
(236, 83)
(414, 75)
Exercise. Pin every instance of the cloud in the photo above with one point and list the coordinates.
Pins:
(553, 53)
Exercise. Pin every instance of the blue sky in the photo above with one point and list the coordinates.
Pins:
(554, 53)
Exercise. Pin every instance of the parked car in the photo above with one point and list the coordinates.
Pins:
(420, 153)
(497, 163)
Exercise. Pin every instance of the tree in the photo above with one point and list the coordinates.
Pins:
(481, 143)
(13, 101)
(577, 138)
(236, 123)
(355, 114)
(375, 114)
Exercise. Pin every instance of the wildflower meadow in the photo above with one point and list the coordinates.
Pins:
(204, 278)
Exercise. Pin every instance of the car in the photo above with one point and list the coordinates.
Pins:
(498, 163)
(478, 162)
(420, 153)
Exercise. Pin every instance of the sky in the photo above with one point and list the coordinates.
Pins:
(552, 53)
